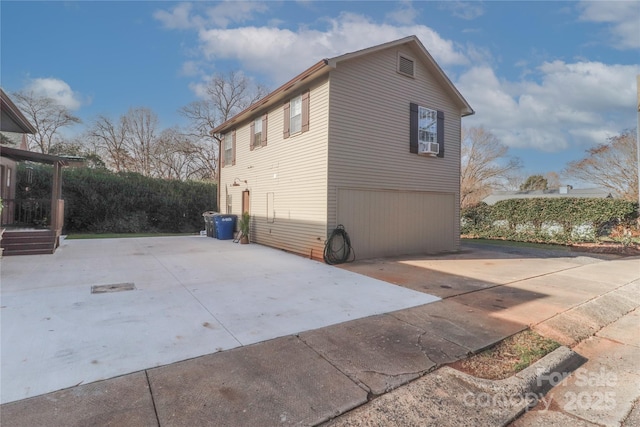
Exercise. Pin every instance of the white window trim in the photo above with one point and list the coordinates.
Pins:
(431, 128)
(256, 132)
(228, 148)
(298, 101)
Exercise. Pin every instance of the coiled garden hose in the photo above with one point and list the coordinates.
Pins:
(343, 253)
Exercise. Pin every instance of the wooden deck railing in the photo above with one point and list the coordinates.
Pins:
(27, 212)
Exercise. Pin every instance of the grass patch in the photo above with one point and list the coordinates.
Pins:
(508, 357)
(122, 235)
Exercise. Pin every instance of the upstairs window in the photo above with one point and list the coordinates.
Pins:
(229, 156)
(295, 123)
(426, 131)
(258, 132)
(296, 115)
(427, 125)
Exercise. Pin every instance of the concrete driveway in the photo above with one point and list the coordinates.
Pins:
(165, 299)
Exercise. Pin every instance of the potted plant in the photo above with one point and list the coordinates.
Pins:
(244, 223)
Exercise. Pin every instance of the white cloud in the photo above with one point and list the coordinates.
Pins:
(190, 69)
(229, 12)
(282, 53)
(569, 104)
(467, 10)
(405, 14)
(179, 18)
(56, 89)
(590, 85)
(183, 16)
(623, 18)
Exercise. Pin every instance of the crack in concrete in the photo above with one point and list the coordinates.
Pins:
(357, 382)
(153, 400)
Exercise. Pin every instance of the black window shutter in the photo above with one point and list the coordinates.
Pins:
(440, 134)
(221, 150)
(252, 135)
(413, 128)
(264, 130)
(286, 131)
(233, 141)
(305, 112)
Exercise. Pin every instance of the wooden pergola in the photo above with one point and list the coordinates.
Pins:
(57, 203)
(13, 120)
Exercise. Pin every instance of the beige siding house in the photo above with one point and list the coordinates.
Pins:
(369, 140)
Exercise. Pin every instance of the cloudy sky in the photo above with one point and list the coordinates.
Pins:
(550, 79)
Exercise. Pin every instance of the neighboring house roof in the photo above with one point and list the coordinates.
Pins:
(22, 155)
(324, 66)
(598, 193)
(12, 119)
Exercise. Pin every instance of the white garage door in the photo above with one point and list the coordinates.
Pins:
(387, 223)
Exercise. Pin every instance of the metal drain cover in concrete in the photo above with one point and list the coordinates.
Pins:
(116, 287)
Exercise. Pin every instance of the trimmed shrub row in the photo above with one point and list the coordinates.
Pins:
(100, 201)
(561, 220)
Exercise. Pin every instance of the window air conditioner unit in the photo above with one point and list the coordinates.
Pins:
(428, 148)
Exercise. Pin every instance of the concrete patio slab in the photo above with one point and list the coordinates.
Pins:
(584, 320)
(626, 270)
(483, 267)
(471, 328)
(193, 296)
(631, 291)
(561, 284)
(518, 304)
(624, 330)
(259, 390)
(487, 268)
(418, 278)
(381, 352)
(441, 399)
(286, 381)
(123, 401)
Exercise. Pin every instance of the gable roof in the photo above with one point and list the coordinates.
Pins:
(324, 66)
(12, 118)
(433, 66)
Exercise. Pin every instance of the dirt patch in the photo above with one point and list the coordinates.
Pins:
(507, 357)
(607, 248)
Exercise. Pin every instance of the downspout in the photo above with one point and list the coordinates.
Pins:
(218, 190)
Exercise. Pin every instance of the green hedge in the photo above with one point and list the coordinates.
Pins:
(558, 220)
(100, 201)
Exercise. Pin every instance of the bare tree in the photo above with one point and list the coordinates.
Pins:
(553, 180)
(174, 156)
(141, 126)
(227, 95)
(485, 165)
(110, 137)
(47, 116)
(611, 165)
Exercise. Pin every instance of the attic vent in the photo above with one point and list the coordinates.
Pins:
(405, 65)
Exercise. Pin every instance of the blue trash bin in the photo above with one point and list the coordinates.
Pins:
(225, 226)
